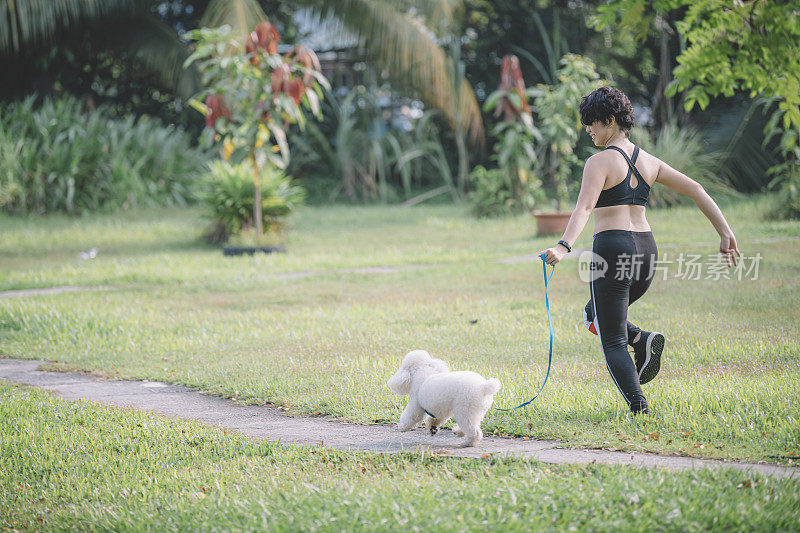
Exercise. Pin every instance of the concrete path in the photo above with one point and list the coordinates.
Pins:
(50, 290)
(269, 423)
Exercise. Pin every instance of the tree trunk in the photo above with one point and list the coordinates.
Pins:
(463, 162)
(259, 224)
(662, 108)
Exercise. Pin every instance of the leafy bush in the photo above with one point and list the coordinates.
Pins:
(492, 193)
(684, 150)
(370, 159)
(542, 145)
(787, 205)
(558, 120)
(228, 190)
(786, 174)
(60, 158)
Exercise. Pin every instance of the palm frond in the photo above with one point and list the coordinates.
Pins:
(25, 23)
(121, 25)
(156, 48)
(735, 126)
(241, 15)
(439, 14)
(401, 43)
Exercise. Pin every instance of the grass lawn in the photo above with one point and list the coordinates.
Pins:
(313, 331)
(82, 466)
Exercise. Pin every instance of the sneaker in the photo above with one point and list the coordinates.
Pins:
(640, 409)
(647, 354)
(638, 405)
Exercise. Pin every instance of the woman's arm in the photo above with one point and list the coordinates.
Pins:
(591, 185)
(685, 185)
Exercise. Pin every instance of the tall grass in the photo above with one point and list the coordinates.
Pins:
(59, 157)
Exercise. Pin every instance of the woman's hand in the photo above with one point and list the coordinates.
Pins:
(553, 255)
(728, 248)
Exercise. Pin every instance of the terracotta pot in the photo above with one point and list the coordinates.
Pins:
(551, 223)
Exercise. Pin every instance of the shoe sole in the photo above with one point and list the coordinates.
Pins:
(652, 363)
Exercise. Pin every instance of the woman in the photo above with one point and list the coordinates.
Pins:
(616, 185)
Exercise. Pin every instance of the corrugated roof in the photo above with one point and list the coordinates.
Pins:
(322, 35)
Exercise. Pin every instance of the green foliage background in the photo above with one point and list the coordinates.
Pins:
(61, 157)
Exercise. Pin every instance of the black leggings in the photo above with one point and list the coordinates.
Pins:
(630, 257)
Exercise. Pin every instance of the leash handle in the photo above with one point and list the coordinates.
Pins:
(550, 322)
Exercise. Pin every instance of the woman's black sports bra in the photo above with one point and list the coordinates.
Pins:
(622, 193)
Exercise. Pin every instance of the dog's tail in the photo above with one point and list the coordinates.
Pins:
(491, 386)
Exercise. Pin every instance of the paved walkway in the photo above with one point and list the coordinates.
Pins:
(269, 423)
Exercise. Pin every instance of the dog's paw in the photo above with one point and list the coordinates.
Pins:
(433, 429)
(457, 431)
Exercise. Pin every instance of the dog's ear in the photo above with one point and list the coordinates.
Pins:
(416, 358)
(439, 365)
(400, 383)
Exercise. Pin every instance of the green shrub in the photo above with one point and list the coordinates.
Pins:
(492, 193)
(60, 158)
(684, 150)
(785, 176)
(229, 192)
(787, 201)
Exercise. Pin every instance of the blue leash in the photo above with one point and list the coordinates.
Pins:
(550, 321)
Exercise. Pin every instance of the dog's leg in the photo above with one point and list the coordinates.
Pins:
(411, 416)
(472, 438)
(432, 424)
(457, 431)
(469, 426)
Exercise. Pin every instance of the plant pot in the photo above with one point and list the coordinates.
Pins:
(250, 250)
(551, 222)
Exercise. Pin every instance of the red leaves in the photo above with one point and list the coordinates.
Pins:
(263, 37)
(283, 79)
(216, 109)
(280, 79)
(511, 81)
(307, 58)
(296, 90)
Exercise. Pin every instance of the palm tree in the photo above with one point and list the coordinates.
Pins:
(397, 40)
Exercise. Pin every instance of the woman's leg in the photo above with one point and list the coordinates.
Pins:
(610, 297)
(647, 256)
(646, 259)
(647, 345)
(588, 320)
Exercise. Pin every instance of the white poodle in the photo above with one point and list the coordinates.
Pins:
(440, 394)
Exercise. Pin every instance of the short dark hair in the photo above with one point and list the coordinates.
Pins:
(604, 103)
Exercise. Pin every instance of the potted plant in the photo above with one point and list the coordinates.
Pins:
(513, 185)
(253, 94)
(228, 192)
(539, 141)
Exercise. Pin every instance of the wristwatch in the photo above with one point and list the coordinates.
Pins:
(565, 245)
